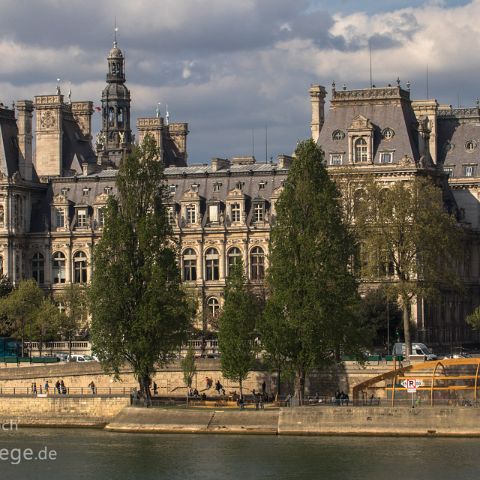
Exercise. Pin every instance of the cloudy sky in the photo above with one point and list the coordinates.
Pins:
(232, 67)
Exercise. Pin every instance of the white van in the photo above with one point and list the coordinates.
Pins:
(418, 350)
(80, 358)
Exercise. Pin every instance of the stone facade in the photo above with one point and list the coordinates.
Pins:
(52, 200)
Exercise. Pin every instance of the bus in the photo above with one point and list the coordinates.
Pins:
(10, 348)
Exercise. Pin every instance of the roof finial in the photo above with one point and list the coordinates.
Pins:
(408, 85)
(58, 86)
(115, 30)
(333, 86)
(398, 81)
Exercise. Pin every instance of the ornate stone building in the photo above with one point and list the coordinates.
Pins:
(52, 199)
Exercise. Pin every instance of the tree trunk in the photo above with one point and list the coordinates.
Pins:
(300, 386)
(146, 382)
(278, 382)
(241, 388)
(406, 328)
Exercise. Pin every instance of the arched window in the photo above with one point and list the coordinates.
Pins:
(257, 264)
(111, 116)
(360, 150)
(120, 117)
(211, 264)
(234, 257)
(213, 307)
(38, 268)
(58, 267)
(2, 216)
(1, 265)
(80, 267)
(189, 265)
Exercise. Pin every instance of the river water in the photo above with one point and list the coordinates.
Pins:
(96, 454)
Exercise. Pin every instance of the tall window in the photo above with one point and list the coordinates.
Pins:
(80, 268)
(360, 150)
(38, 268)
(211, 264)
(257, 264)
(258, 212)
(2, 216)
(58, 267)
(234, 257)
(82, 217)
(191, 212)
(171, 215)
(213, 307)
(235, 212)
(189, 265)
(59, 217)
(1, 265)
(101, 216)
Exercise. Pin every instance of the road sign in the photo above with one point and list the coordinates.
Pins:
(411, 384)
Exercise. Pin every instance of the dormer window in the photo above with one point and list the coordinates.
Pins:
(82, 217)
(194, 187)
(107, 190)
(65, 191)
(338, 135)
(235, 211)
(470, 146)
(101, 217)
(336, 159)
(386, 157)
(191, 214)
(216, 187)
(258, 212)
(60, 217)
(360, 150)
(239, 185)
(469, 170)
(261, 185)
(213, 213)
(171, 215)
(388, 133)
(85, 191)
(172, 189)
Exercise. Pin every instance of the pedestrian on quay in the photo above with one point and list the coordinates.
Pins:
(63, 388)
(264, 388)
(92, 387)
(155, 389)
(34, 389)
(47, 387)
(57, 386)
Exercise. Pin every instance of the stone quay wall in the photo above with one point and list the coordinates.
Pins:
(170, 379)
(60, 411)
(319, 420)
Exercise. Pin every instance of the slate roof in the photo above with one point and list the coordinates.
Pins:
(8, 142)
(387, 107)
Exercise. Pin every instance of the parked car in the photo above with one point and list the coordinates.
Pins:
(80, 358)
(459, 352)
(62, 356)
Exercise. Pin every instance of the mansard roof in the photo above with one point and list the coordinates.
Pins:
(376, 108)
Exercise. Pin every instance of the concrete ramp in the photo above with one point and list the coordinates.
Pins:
(163, 420)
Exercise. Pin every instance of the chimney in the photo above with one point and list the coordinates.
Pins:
(82, 112)
(317, 100)
(25, 137)
(220, 164)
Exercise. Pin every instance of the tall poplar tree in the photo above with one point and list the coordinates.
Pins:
(237, 322)
(409, 240)
(313, 294)
(140, 313)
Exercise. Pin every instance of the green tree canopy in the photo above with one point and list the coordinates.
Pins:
(19, 309)
(408, 239)
(73, 317)
(237, 322)
(311, 313)
(140, 313)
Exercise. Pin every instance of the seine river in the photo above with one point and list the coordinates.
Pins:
(93, 454)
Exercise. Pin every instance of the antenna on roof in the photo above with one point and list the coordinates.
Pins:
(427, 83)
(370, 54)
(58, 86)
(115, 30)
(266, 144)
(253, 142)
